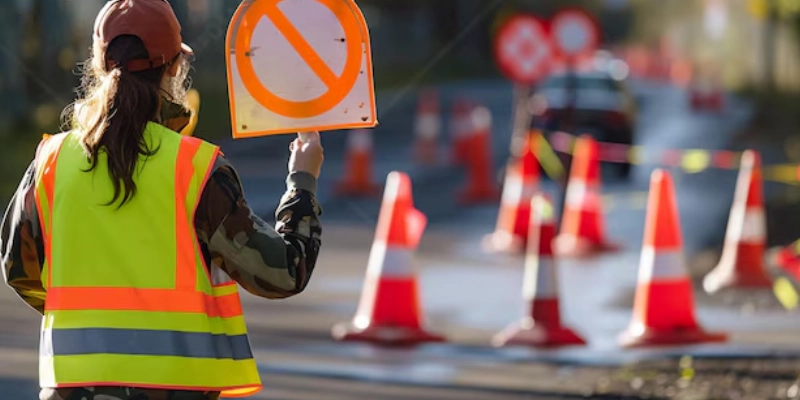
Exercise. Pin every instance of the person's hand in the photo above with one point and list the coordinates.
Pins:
(307, 154)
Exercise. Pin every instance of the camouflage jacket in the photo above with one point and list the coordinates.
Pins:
(227, 230)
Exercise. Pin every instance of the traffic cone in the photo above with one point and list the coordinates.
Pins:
(461, 131)
(427, 127)
(787, 259)
(742, 261)
(520, 183)
(663, 309)
(357, 178)
(582, 226)
(480, 187)
(389, 312)
(542, 326)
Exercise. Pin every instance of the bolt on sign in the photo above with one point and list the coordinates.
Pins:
(298, 66)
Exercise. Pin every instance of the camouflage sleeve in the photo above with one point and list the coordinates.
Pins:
(267, 262)
(21, 244)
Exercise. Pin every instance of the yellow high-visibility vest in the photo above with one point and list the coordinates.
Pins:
(130, 301)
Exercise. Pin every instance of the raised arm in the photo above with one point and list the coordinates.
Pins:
(268, 262)
(21, 244)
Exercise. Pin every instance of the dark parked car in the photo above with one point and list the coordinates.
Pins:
(602, 106)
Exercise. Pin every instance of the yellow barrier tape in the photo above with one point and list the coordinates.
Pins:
(635, 154)
(695, 161)
(786, 293)
(786, 173)
(548, 158)
(691, 161)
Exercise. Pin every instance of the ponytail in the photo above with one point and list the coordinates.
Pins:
(113, 110)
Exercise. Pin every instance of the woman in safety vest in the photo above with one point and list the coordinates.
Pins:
(130, 238)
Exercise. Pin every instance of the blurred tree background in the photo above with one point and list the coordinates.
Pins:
(415, 42)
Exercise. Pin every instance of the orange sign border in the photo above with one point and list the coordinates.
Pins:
(241, 45)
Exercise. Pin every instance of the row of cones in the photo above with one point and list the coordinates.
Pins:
(582, 232)
(471, 134)
(390, 311)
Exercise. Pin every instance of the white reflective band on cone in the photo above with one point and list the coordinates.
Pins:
(749, 226)
(516, 190)
(458, 126)
(390, 261)
(360, 140)
(577, 192)
(540, 279)
(661, 265)
(427, 125)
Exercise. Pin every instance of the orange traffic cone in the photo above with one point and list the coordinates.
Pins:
(389, 312)
(582, 226)
(787, 259)
(480, 186)
(461, 131)
(521, 182)
(357, 178)
(742, 262)
(663, 309)
(427, 127)
(542, 326)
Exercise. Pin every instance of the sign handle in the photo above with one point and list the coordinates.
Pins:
(308, 137)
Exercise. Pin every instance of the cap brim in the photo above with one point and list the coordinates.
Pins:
(185, 49)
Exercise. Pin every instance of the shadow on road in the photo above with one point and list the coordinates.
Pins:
(19, 389)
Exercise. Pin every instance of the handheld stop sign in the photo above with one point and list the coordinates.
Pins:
(522, 49)
(299, 66)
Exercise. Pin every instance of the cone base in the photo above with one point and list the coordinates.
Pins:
(394, 336)
(501, 242)
(569, 246)
(528, 333)
(357, 190)
(716, 280)
(668, 337)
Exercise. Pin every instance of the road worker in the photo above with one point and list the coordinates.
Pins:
(130, 239)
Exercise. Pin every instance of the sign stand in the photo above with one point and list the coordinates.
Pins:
(576, 34)
(523, 53)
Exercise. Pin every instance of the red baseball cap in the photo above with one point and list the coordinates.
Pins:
(152, 21)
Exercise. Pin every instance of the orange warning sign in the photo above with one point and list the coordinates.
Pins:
(281, 71)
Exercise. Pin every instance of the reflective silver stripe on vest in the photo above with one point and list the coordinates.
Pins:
(664, 264)
(66, 342)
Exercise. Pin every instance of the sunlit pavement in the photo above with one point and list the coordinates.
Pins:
(466, 294)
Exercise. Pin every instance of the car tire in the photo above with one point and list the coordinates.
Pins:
(623, 170)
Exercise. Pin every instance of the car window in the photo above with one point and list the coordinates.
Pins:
(583, 82)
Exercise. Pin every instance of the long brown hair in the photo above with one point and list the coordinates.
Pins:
(115, 105)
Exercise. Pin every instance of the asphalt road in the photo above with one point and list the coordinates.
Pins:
(466, 295)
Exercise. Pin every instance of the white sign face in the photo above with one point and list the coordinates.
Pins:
(574, 33)
(299, 65)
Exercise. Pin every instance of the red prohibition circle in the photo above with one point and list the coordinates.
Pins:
(575, 33)
(522, 49)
